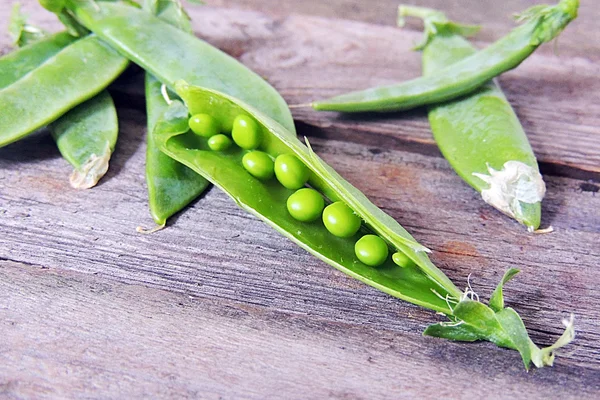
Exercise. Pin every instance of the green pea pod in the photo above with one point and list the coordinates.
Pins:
(171, 185)
(462, 77)
(56, 86)
(86, 137)
(480, 134)
(17, 64)
(420, 283)
(170, 54)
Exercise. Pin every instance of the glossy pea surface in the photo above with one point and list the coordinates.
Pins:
(371, 250)
(219, 142)
(290, 171)
(259, 164)
(204, 125)
(402, 260)
(305, 205)
(246, 132)
(340, 220)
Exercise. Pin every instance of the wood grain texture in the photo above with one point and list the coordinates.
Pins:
(219, 305)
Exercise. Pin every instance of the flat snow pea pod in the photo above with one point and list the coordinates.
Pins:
(56, 86)
(480, 134)
(543, 24)
(17, 64)
(170, 54)
(418, 282)
(86, 137)
(171, 185)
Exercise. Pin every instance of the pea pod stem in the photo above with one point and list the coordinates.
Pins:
(462, 77)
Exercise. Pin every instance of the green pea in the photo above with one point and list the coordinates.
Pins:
(246, 132)
(219, 142)
(371, 250)
(340, 220)
(259, 164)
(204, 125)
(402, 260)
(305, 205)
(290, 171)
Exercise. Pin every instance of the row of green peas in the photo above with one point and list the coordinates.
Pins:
(305, 204)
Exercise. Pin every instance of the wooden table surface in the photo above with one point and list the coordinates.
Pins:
(218, 305)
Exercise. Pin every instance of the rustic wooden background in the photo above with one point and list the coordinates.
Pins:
(220, 306)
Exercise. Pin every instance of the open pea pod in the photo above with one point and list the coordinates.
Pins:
(85, 135)
(418, 282)
(421, 284)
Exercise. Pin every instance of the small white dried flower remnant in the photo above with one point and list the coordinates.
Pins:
(91, 171)
(516, 182)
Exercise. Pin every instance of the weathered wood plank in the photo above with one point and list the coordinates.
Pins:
(81, 336)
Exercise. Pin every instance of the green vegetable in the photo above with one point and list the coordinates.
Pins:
(402, 260)
(219, 142)
(340, 220)
(86, 137)
(245, 132)
(480, 135)
(259, 164)
(22, 33)
(420, 283)
(17, 64)
(171, 185)
(305, 205)
(462, 77)
(371, 250)
(290, 171)
(171, 54)
(204, 125)
(53, 88)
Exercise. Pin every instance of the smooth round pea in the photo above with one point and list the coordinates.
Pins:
(340, 220)
(204, 125)
(219, 142)
(402, 260)
(305, 205)
(290, 171)
(259, 164)
(246, 132)
(371, 250)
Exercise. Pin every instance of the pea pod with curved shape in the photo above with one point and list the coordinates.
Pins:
(171, 185)
(462, 77)
(480, 135)
(170, 54)
(56, 86)
(419, 282)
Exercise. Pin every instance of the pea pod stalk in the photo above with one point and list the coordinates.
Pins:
(480, 135)
(543, 23)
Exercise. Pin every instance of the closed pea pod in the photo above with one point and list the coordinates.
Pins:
(462, 77)
(480, 134)
(171, 185)
(56, 86)
(85, 135)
